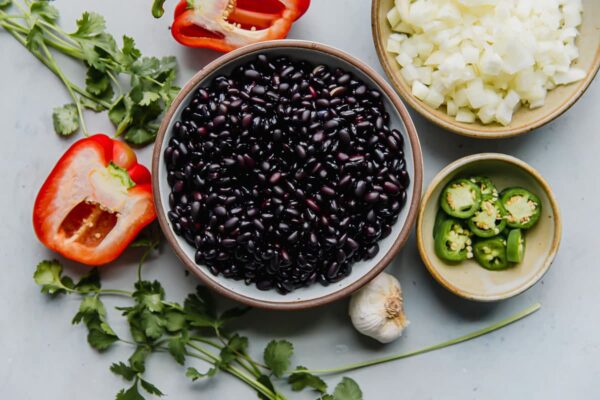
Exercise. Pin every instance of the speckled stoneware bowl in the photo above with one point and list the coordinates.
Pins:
(558, 101)
(467, 279)
(362, 272)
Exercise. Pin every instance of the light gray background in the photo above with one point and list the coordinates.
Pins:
(551, 355)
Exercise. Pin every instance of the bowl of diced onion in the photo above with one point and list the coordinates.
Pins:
(489, 68)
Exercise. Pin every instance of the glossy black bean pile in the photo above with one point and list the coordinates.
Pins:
(284, 174)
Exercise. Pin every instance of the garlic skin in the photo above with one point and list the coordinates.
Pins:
(377, 309)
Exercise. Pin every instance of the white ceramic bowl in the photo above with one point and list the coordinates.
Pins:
(362, 272)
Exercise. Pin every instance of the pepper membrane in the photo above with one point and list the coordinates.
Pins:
(94, 202)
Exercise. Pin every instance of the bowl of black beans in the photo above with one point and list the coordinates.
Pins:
(287, 174)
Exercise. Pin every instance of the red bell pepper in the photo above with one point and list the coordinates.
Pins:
(94, 202)
(224, 25)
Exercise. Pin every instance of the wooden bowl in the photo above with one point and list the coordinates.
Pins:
(524, 120)
(364, 271)
(467, 279)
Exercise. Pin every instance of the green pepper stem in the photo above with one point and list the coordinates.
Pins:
(498, 325)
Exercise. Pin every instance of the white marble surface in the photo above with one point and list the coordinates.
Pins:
(551, 355)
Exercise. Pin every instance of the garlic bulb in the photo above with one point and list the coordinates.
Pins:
(377, 309)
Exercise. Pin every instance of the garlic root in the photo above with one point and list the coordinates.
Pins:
(377, 310)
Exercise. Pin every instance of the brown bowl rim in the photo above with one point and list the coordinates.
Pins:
(476, 131)
(449, 169)
(417, 179)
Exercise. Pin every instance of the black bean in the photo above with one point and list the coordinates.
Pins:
(372, 251)
(252, 74)
(372, 197)
(360, 189)
(231, 223)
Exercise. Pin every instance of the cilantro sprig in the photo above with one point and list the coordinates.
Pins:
(195, 331)
(134, 108)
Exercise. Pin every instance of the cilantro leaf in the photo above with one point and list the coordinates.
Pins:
(48, 275)
(100, 339)
(177, 349)
(89, 25)
(140, 135)
(91, 104)
(90, 309)
(149, 295)
(200, 309)
(35, 38)
(129, 53)
(152, 324)
(89, 282)
(98, 83)
(150, 388)
(93, 314)
(266, 381)
(143, 242)
(234, 313)
(123, 370)
(277, 356)
(65, 119)
(347, 389)
(118, 111)
(148, 98)
(137, 361)
(236, 346)
(131, 394)
(44, 10)
(174, 321)
(194, 374)
(300, 380)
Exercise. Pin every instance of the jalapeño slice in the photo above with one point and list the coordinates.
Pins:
(486, 186)
(523, 208)
(489, 220)
(440, 217)
(461, 198)
(515, 246)
(453, 241)
(491, 254)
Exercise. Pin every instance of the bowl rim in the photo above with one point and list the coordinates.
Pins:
(427, 197)
(476, 131)
(416, 180)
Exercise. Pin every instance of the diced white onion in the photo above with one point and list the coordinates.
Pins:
(483, 59)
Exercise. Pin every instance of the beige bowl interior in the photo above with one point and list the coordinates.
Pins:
(468, 279)
(558, 101)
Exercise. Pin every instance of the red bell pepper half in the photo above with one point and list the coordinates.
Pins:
(94, 202)
(224, 25)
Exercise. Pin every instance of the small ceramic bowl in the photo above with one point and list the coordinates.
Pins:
(524, 120)
(467, 279)
(362, 272)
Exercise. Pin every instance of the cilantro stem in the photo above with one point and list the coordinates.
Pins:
(206, 341)
(65, 36)
(69, 88)
(11, 25)
(115, 292)
(204, 351)
(233, 371)
(54, 67)
(116, 82)
(498, 325)
(142, 261)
